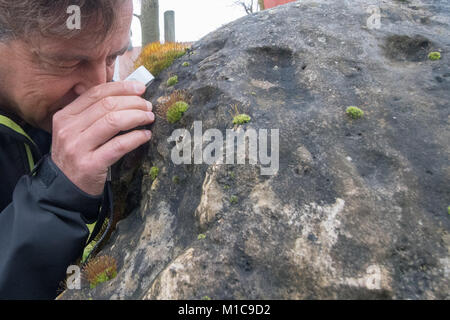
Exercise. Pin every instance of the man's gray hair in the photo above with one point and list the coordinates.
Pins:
(24, 19)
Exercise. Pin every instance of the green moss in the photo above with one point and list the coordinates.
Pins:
(241, 119)
(354, 112)
(176, 111)
(154, 171)
(201, 236)
(157, 57)
(106, 275)
(234, 199)
(206, 298)
(176, 179)
(226, 187)
(172, 81)
(186, 64)
(448, 209)
(433, 56)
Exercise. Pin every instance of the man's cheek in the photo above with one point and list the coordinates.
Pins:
(38, 106)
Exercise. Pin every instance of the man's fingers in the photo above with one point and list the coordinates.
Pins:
(95, 94)
(116, 148)
(113, 123)
(110, 104)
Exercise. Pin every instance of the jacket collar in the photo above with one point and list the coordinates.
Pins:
(33, 137)
(4, 112)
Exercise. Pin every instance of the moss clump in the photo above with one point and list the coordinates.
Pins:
(433, 56)
(99, 270)
(206, 298)
(176, 179)
(241, 119)
(448, 209)
(167, 102)
(176, 111)
(186, 64)
(238, 117)
(156, 56)
(106, 275)
(172, 81)
(201, 236)
(354, 112)
(154, 171)
(234, 199)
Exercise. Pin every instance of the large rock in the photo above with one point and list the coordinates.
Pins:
(357, 209)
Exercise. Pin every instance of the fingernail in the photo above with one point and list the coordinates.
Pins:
(149, 106)
(151, 116)
(148, 133)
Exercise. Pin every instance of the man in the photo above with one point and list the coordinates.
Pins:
(60, 116)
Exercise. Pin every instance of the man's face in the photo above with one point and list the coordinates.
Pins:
(38, 80)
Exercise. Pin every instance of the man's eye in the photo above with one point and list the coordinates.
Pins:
(67, 66)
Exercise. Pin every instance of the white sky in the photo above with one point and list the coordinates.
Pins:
(193, 18)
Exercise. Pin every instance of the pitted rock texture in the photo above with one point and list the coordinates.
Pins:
(357, 209)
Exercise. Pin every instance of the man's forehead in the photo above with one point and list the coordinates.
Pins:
(86, 47)
(88, 42)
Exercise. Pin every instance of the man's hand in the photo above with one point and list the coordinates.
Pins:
(83, 146)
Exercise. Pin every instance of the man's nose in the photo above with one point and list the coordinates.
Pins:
(94, 75)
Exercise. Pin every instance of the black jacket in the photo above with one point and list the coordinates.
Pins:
(43, 215)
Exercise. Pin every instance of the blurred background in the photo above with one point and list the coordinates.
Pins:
(181, 21)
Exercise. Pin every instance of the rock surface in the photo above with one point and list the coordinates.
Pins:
(357, 209)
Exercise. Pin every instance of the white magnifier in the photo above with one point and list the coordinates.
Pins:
(141, 74)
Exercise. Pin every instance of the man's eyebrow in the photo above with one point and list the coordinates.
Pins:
(68, 57)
